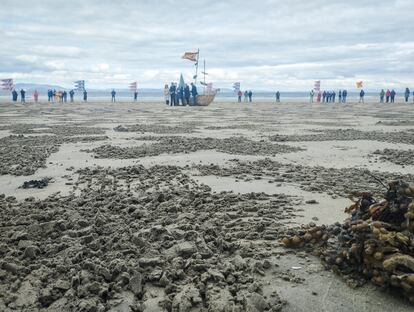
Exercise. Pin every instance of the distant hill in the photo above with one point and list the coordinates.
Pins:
(39, 87)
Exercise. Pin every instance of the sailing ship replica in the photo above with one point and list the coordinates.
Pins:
(209, 93)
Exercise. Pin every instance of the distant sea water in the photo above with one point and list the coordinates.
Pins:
(125, 96)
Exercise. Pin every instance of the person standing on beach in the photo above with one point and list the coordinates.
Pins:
(393, 93)
(344, 95)
(333, 96)
(15, 95)
(135, 95)
(173, 89)
(387, 96)
(65, 96)
(318, 99)
(361, 96)
(250, 94)
(323, 96)
(23, 96)
(71, 94)
(340, 96)
(246, 95)
(36, 96)
(407, 94)
(382, 94)
(167, 94)
(239, 96)
(187, 94)
(85, 96)
(311, 95)
(278, 97)
(113, 93)
(194, 93)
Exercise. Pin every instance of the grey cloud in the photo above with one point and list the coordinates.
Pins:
(262, 43)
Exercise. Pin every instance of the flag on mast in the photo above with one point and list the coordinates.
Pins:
(236, 87)
(359, 84)
(7, 84)
(191, 56)
(80, 85)
(317, 85)
(133, 86)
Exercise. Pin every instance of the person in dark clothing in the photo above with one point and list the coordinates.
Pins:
(340, 96)
(15, 95)
(194, 93)
(71, 94)
(250, 95)
(65, 96)
(407, 94)
(173, 89)
(323, 96)
(49, 95)
(382, 95)
(361, 96)
(333, 96)
(135, 96)
(393, 93)
(113, 93)
(187, 94)
(277, 96)
(85, 96)
(23, 96)
(344, 95)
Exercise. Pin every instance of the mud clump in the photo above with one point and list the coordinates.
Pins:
(233, 145)
(138, 238)
(59, 130)
(157, 128)
(406, 137)
(23, 155)
(335, 182)
(398, 157)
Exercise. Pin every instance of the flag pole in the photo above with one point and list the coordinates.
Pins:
(198, 57)
(204, 72)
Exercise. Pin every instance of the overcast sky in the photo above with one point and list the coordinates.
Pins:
(264, 44)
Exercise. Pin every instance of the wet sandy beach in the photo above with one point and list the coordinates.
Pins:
(156, 208)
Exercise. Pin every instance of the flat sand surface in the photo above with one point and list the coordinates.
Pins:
(224, 147)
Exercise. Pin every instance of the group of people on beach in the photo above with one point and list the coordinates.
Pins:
(328, 96)
(247, 96)
(174, 94)
(15, 95)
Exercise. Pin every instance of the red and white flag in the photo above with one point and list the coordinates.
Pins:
(192, 56)
(7, 84)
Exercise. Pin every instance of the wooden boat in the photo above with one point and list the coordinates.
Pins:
(206, 99)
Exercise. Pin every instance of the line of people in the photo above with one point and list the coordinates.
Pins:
(175, 94)
(247, 96)
(328, 96)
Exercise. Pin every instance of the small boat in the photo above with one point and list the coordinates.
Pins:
(206, 99)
